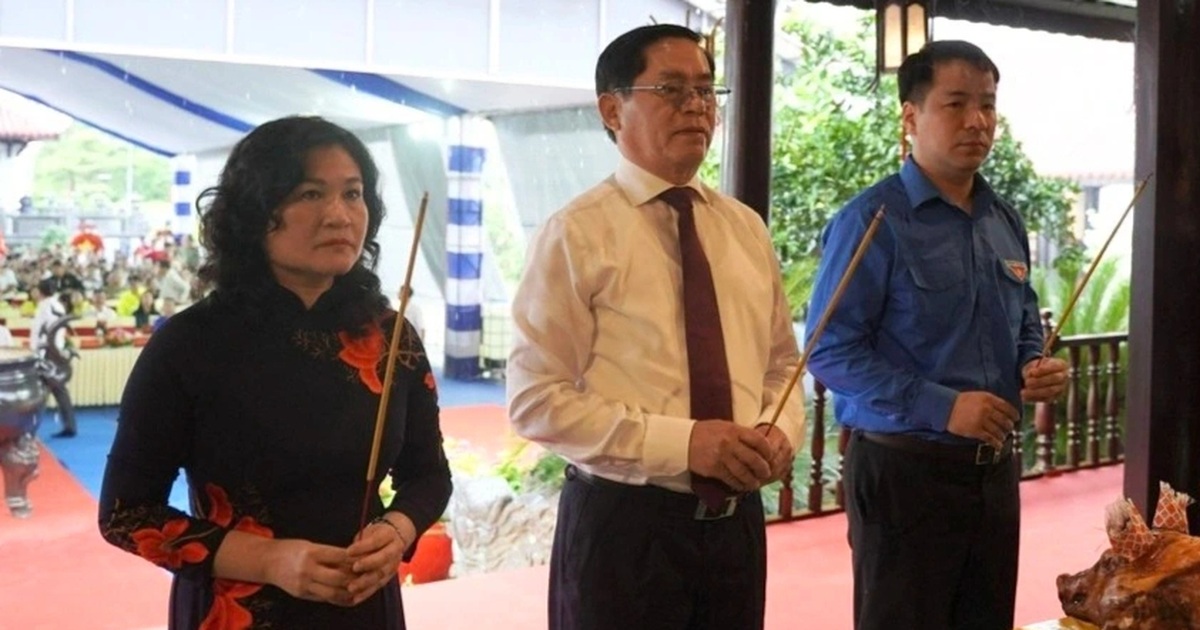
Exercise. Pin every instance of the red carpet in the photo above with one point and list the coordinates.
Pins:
(477, 436)
(479, 428)
(57, 573)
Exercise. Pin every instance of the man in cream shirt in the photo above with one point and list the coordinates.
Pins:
(600, 373)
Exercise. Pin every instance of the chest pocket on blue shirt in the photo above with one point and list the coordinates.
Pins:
(940, 291)
(1012, 290)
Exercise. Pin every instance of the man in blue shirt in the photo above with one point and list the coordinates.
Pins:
(930, 354)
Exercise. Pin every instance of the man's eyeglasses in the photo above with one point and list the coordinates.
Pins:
(679, 94)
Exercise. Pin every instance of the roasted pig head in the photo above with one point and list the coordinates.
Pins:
(1083, 595)
(1158, 590)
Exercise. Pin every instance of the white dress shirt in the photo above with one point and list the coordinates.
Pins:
(598, 371)
(49, 310)
(172, 286)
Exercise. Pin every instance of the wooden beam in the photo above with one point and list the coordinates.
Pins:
(1101, 20)
(1163, 423)
(1086, 19)
(750, 72)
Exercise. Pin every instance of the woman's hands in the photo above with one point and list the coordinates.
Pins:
(345, 577)
(316, 572)
(307, 570)
(375, 555)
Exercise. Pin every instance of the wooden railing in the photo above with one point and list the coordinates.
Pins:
(1085, 429)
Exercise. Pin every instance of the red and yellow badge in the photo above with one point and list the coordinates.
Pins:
(1018, 269)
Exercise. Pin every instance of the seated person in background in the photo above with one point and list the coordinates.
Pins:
(92, 277)
(114, 283)
(130, 299)
(62, 279)
(29, 307)
(9, 310)
(168, 309)
(74, 301)
(98, 308)
(8, 278)
(171, 284)
(145, 313)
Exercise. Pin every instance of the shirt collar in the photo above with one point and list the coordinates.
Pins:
(920, 190)
(641, 186)
(918, 187)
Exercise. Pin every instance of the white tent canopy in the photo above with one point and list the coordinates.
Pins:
(190, 76)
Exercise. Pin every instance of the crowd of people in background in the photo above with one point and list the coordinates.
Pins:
(114, 296)
(99, 285)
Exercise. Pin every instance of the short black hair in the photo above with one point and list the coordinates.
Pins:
(625, 57)
(916, 73)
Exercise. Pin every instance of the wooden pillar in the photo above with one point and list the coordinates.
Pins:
(1163, 426)
(750, 73)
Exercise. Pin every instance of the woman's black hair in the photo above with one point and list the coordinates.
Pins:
(236, 214)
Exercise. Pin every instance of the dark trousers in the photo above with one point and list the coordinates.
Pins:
(934, 542)
(632, 557)
(62, 398)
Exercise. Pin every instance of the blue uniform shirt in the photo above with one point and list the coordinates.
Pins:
(940, 303)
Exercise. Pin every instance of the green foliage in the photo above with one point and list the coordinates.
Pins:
(802, 466)
(90, 168)
(797, 284)
(1044, 202)
(834, 136)
(548, 472)
(54, 238)
(525, 474)
(1102, 307)
(507, 248)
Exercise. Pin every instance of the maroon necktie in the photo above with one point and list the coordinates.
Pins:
(708, 369)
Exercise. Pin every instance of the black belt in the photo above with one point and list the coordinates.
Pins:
(680, 503)
(979, 454)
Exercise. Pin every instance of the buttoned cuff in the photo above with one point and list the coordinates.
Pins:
(1025, 360)
(665, 448)
(791, 419)
(932, 406)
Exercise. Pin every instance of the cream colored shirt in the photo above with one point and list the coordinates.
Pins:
(598, 371)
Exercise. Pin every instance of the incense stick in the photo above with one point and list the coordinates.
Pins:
(389, 372)
(829, 308)
(1062, 320)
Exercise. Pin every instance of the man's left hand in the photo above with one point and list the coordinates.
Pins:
(781, 451)
(1045, 379)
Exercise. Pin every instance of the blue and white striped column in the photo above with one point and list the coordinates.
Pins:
(464, 253)
(183, 194)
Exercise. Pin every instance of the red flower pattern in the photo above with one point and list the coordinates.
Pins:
(363, 354)
(219, 509)
(226, 613)
(159, 546)
(430, 382)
